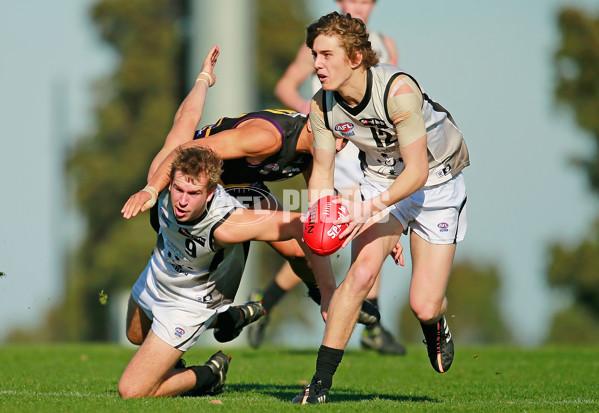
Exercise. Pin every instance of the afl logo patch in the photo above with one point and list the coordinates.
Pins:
(443, 226)
(345, 128)
(179, 332)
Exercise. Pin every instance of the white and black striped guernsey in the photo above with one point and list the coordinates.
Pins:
(369, 127)
(190, 269)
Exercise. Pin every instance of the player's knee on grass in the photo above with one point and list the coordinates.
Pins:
(129, 390)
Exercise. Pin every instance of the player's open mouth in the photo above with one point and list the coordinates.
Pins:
(179, 212)
(322, 78)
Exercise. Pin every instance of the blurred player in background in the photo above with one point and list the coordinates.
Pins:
(192, 278)
(347, 178)
(412, 154)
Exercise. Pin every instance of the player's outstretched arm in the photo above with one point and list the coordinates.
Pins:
(189, 114)
(253, 138)
(265, 225)
(186, 120)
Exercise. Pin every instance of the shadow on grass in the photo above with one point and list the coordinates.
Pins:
(257, 353)
(285, 393)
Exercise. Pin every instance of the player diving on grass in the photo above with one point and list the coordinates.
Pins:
(192, 277)
(194, 271)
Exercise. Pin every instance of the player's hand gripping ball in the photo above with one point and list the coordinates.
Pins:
(320, 234)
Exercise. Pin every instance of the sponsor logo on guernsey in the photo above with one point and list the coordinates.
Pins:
(199, 240)
(179, 332)
(373, 122)
(443, 226)
(345, 128)
(290, 170)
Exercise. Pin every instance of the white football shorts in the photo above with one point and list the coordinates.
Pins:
(178, 322)
(436, 213)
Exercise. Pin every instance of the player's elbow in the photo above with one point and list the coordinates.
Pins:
(422, 176)
(189, 113)
(419, 172)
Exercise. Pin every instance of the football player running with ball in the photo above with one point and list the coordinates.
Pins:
(347, 177)
(412, 154)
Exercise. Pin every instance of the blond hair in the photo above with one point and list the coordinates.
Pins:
(195, 162)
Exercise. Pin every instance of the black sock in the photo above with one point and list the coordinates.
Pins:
(326, 364)
(204, 380)
(313, 292)
(375, 302)
(230, 319)
(272, 295)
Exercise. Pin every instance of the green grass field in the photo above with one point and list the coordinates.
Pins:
(84, 377)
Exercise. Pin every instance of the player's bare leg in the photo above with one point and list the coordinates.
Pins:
(153, 372)
(431, 268)
(373, 294)
(157, 370)
(369, 251)
(150, 372)
(138, 323)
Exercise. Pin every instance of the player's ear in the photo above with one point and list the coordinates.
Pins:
(356, 60)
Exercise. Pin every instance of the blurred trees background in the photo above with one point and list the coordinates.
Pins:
(135, 106)
(573, 269)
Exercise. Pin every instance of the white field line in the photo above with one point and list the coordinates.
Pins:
(56, 394)
(474, 402)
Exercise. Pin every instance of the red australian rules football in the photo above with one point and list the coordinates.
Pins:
(320, 234)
